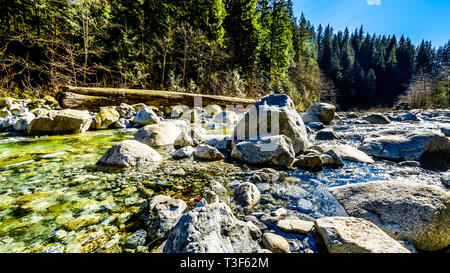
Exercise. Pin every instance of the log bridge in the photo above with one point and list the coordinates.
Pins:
(92, 98)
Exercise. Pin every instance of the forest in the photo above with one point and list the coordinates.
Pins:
(244, 48)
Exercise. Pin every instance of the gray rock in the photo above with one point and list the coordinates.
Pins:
(64, 121)
(326, 134)
(146, 116)
(286, 121)
(23, 120)
(377, 119)
(160, 214)
(126, 111)
(309, 162)
(336, 160)
(158, 135)
(227, 117)
(315, 125)
(430, 149)
(269, 150)
(136, 239)
(247, 194)
(445, 178)
(355, 235)
(122, 124)
(184, 152)
(272, 218)
(206, 152)
(446, 131)
(295, 226)
(212, 110)
(406, 211)
(350, 153)
(319, 112)
(130, 153)
(178, 110)
(211, 229)
(190, 137)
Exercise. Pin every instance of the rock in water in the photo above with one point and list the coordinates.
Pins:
(350, 153)
(430, 149)
(23, 120)
(211, 229)
(126, 111)
(319, 112)
(206, 152)
(275, 243)
(158, 135)
(212, 110)
(247, 194)
(355, 235)
(309, 162)
(106, 117)
(184, 152)
(377, 119)
(64, 121)
(446, 131)
(412, 212)
(326, 134)
(227, 117)
(286, 121)
(146, 116)
(130, 153)
(295, 226)
(160, 214)
(270, 150)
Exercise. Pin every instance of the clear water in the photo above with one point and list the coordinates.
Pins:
(51, 185)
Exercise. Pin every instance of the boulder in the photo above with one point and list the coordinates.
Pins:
(23, 120)
(227, 117)
(332, 159)
(319, 112)
(211, 229)
(275, 243)
(309, 162)
(247, 194)
(146, 116)
(212, 110)
(206, 152)
(184, 152)
(64, 121)
(430, 149)
(326, 134)
(286, 121)
(269, 150)
(411, 212)
(158, 135)
(130, 153)
(178, 110)
(295, 226)
(350, 153)
(122, 124)
(160, 213)
(355, 235)
(377, 119)
(126, 111)
(446, 131)
(190, 137)
(106, 117)
(192, 116)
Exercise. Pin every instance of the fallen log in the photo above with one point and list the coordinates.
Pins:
(92, 98)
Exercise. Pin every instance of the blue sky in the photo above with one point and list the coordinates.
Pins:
(417, 19)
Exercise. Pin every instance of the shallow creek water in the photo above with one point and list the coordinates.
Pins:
(53, 194)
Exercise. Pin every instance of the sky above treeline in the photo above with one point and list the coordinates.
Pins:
(417, 19)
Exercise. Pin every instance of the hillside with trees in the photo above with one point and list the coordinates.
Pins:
(241, 48)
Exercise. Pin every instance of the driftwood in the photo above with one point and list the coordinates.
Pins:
(87, 98)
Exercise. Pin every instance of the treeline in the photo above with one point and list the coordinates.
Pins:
(231, 47)
(371, 71)
(224, 47)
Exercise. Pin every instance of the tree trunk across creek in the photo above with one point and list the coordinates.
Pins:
(92, 98)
